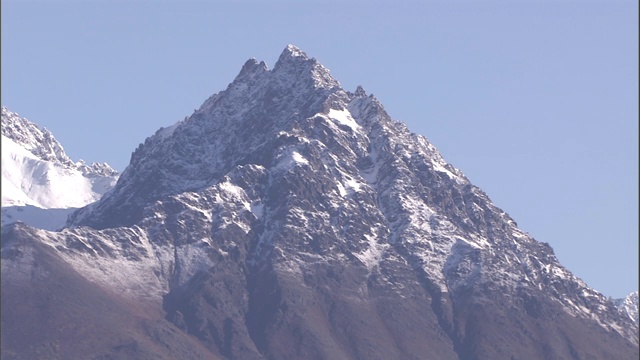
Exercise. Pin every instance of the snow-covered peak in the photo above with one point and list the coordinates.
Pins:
(257, 106)
(44, 146)
(293, 51)
(294, 65)
(37, 176)
(39, 142)
(338, 161)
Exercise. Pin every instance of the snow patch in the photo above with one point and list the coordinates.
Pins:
(289, 161)
(440, 168)
(343, 117)
(372, 256)
(299, 158)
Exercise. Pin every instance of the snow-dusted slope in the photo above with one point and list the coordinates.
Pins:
(38, 174)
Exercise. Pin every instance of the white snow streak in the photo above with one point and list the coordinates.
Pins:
(343, 117)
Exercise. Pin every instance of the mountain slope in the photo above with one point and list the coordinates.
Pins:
(37, 175)
(49, 311)
(288, 218)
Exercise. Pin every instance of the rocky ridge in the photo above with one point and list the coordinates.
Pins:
(629, 305)
(41, 185)
(42, 144)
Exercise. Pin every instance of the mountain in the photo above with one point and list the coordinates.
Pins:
(629, 306)
(41, 185)
(288, 218)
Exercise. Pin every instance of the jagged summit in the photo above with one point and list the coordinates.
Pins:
(292, 50)
(293, 62)
(42, 144)
(290, 55)
(259, 103)
(250, 67)
(360, 91)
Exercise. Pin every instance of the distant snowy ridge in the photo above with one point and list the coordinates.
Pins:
(38, 174)
(44, 146)
(629, 306)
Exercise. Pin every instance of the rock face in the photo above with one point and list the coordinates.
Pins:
(40, 183)
(629, 306)
(288, 218)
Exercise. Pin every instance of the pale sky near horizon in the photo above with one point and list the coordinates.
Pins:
(536, 102)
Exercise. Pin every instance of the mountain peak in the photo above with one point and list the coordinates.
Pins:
(40, 183)
(252, 66)
(294, 51)
(38, 141)
(291, 55)
(42, 144)
(294, 64)
(360, 92)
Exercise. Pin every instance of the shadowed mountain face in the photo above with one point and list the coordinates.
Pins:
(49, 311)
(288, 218)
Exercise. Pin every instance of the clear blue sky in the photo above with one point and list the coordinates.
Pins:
(535, 101)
